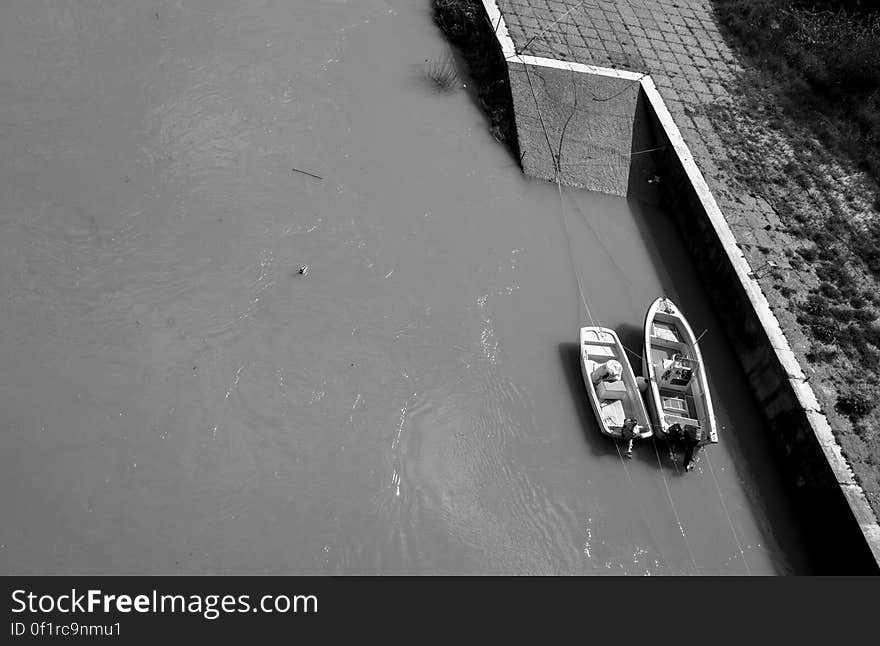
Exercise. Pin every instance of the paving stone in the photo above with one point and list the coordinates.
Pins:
(678, 42)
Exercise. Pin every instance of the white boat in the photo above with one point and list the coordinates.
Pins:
(678, 390)
(611, 384)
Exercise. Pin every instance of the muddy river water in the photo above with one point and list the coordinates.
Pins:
(176, 396)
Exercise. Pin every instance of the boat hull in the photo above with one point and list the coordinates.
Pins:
(598, 346)
(670, 344)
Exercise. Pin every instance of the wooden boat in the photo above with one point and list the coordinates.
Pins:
(678, 390)
(611, 384)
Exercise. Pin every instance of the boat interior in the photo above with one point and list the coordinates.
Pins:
(615, 396)
(675, 370)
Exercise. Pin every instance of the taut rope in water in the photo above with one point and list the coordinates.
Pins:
(729, 519)
(672, 505)
(593, 321)
(638, 500)
(556, 167)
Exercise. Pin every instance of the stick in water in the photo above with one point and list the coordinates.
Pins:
(701, 336)
(305, 172)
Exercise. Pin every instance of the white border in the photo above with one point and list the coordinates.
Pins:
(569, 66)
(500, 26)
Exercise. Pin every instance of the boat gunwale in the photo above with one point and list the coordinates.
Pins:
(690, 341)
(635, 397)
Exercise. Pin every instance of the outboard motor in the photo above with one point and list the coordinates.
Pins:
(693, 434)
(677, 374)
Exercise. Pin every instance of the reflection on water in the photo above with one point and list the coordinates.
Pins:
(177, 397)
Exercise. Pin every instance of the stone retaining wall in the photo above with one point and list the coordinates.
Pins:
(560, 125)
(824, 484)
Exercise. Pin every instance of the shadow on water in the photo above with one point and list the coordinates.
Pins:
(569, 356)
(643, 451)
(743, 430)
(652, 449)
(481, 64)
(631, 338)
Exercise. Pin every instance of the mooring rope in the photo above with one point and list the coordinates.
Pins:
(554, 23)
(555, 160)
(729, 519)
(557, 169)
(632, 352)
(540, 116)
(557, 166)
(674, 511)
(593, 321)
(635, 494)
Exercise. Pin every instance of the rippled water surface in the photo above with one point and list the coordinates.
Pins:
(176, 397)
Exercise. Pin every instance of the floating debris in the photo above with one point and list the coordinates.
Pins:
(305, 172)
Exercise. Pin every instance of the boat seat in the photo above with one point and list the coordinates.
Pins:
(684, 421)
(613, 414)
(668, 344)
(665, 331)
(674, 405)
(613, 390)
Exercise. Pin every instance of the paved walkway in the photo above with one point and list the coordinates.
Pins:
(679, 44)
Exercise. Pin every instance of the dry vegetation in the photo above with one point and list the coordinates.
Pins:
(465, 24)
(805, 135)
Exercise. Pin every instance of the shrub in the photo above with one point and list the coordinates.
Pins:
(822, 355)
(829, 291)
(872, 335)
(827, 253)
(836, 273)
(824, 330)
(865, 315)
(808, 253)
(816, 305)
(857, 401)
(843, 314)
(825, 57)
(457, 18)
(867, 246)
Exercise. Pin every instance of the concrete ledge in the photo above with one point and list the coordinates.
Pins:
(812, 456)
(576, 126)
(801, 432)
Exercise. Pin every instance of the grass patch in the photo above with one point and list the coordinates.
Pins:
(858, 401)
(826, 56)
(821, 60)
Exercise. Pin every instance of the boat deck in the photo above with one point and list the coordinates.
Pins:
(665, 344)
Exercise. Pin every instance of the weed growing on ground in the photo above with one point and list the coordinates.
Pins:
(825, 56)
(858, 400)
(821, 59)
